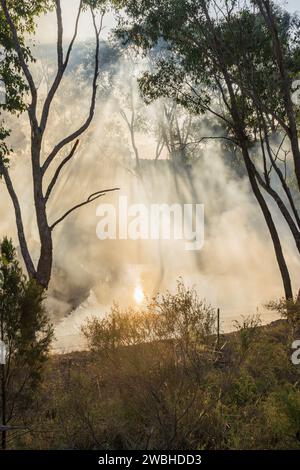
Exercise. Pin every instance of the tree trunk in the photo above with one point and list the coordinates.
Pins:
(44, 267)
(266, 9)
(239, 127)
(270, 223)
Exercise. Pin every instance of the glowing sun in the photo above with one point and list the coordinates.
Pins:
(138, 295)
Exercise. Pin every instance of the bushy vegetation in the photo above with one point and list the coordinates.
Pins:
(159, 377)
(27, 333)
(155, 379)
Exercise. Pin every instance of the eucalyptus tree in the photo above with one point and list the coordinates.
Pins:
(234, 61)
(46, 168)
(13, 86)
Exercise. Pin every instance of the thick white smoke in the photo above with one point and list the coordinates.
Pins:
(236, 270)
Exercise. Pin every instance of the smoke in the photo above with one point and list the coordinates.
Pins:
(236, 270)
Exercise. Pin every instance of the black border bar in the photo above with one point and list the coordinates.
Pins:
(136, 459)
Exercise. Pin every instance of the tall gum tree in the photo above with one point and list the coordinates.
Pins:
(43, 165)
(234, 62)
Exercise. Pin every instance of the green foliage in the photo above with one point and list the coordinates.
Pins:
(142, 385)
(198, 53)
(181, 318)
(23, 14)
(25, 330)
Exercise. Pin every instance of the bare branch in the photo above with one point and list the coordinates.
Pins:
(216, 137)
(131, 127)
(93, 197)
(159, 148)
(19, 220)
(60, 53)
(278, 170)
(61, 64)
(74, 35)
(84, 127)
(124, 116)
(59, 169)
(281, 205)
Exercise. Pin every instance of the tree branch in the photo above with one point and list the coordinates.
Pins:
(282, 207)
(19, 221)
(61, 64)
(89, 119)
(216, 137)
(60, 30)
(279, 172)
(59, 169)
(93, 197)
(24, 66)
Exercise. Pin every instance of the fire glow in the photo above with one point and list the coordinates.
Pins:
(138, 295)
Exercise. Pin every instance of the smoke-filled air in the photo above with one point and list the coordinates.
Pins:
(150, 222)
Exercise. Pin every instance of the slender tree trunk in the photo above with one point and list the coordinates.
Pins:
(44, 267)
(271, 226)
(266, 9)
(242, 139)
(282, 207)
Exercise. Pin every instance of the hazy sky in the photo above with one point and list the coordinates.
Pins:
(293, 5)
(47, 32)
